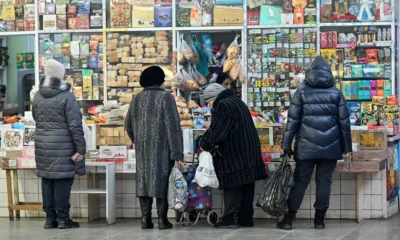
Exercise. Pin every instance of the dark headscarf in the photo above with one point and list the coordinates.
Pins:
(152, 76)
(221, 77)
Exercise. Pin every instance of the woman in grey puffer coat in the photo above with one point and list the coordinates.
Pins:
(59, 135)
(153, 126)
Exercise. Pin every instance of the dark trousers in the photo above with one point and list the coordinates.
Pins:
(239, 199)
(55, 194)
(323, 180)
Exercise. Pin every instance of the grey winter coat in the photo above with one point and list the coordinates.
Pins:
(153, 125)
(59, 133)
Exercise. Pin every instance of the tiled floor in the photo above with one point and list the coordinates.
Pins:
(31, 229)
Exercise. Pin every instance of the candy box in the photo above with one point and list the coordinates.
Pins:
(356, 71)
(347, 68)
(113, 152)
(392, 100)
(378, 100)
(326, 13)
(388, 70)
(354, 90)
(367, 89)
(163, 16)
(324, 39)
(143, 16)
(253, 16)
(346, 89)
(355, 112)
(372, 139)
(380, 85)
(82, 21)
(120, 14)
(379, 71)
(372, 55)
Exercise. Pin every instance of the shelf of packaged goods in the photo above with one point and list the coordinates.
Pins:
(355, 24)
(97, 30)
(22, 33)
(282, 26)
(138, 29)
(212, 28)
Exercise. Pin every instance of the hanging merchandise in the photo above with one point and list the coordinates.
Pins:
(207, 9)
(202, 66)
(207, 47)
(236, 72)
(190, 83)
(196, 56)
(196, 16)
(232, 53)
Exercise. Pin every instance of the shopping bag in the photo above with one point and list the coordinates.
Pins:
(198, 197)
(274, 198)
(177, 191)
(205, 173)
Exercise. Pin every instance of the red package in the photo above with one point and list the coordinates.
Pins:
(324, 40)
(372, 55)
(82, 21)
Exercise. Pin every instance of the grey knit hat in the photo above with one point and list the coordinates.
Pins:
(212, 91)
(55, 69)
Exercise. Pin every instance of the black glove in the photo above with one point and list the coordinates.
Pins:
(288, 152)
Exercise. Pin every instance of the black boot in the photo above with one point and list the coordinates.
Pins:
(50, 224)
(162, 212)
(287, 221)
(67, 224)
(145, 205)
(227, 222)
(319, 220)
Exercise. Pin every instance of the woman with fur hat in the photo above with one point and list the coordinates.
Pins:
(153, 125)
(59, 135)
(234, 143)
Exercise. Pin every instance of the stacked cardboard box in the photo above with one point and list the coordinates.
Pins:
(112, 135)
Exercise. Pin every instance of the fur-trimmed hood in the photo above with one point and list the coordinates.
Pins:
(51, 86)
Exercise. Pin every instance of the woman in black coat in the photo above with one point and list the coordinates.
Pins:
(319, 121)
(233, 140)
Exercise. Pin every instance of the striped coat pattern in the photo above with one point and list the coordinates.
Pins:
(153, 125)
(234, 142)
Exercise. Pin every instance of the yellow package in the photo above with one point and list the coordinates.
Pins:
(142, 17)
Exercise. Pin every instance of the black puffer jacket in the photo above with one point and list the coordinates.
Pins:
(237, 160)
(59, 133)
(318, 117)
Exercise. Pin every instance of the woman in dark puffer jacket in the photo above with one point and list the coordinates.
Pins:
(319, 120)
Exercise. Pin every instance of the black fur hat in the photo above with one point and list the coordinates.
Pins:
(152, 76)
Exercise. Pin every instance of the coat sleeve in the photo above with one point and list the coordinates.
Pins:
(129, 122)
(221, 123)
(293, 122)
(74, 119)
(344, 121)
(173, 128)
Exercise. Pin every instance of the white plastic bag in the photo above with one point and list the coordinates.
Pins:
(87, 134)
(205, 172)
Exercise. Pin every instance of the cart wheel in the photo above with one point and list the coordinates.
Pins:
(192, 216)
(212, 217)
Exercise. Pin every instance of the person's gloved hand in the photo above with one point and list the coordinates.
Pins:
(288, 152)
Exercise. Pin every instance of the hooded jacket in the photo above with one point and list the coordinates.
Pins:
(233, 140)
(59, 133)
(318, 117)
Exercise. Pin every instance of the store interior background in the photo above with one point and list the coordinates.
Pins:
(343, 204)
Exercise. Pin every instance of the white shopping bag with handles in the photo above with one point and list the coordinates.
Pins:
(205, 172)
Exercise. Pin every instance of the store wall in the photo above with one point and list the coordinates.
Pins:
(342, 205)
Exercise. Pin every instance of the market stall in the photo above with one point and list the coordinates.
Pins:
(265, 47)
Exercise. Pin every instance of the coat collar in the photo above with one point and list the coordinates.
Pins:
(154, 88)
(225, 94)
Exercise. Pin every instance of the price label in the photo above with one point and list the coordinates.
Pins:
(271, 104)
(256, 90)
(3, 154)
(264, 89)
(258, 104)
(265, 104)
(250, 104)
(287, 104)
(278, 104)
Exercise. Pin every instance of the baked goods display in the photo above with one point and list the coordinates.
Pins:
(128, 54)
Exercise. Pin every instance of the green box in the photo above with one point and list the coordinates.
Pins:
(30, 60)
(21, 60)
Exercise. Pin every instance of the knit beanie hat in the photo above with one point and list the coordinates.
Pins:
(212, 91)
(55, 69)
(152, 76)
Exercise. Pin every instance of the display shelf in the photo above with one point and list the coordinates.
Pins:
(22, 33)
(89, 191)
(71, 31)
(138, 29)
(282, 26)
(212, 28)
(355, 24)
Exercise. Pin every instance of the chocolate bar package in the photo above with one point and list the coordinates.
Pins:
(71, 23)
(354, 90)
(75, 62)
(84, 7)
(19, 11)
(84, 61)
(93, 61)
(75, 49)
(61, 22)
(163, 16)
(61, 9)
(367, 90)
(50, 22)
(120, 14)
(72, 10)
(84, 49)
(50, 8)
(29, 24)
(10, 26)
(19, 25)
(96, 21)
(82, 21)
(96, 9)
(8, 12)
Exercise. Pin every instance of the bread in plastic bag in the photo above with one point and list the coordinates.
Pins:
(233, 50)
(190, 83)
(187, 52)
(228, 64)
(179, 81)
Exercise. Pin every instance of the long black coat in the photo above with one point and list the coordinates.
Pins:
(237, 160)
(318, 117)
(59, 133)
(153, 125)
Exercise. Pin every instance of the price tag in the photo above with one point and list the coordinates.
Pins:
(291, 75)
(264, 89)
(258, 104)
(12, 163)
(3, 154)
(256, 90)
(278, 104)
(250, 104)
(251, 90)
(271, 104)
(265, 104)
(287, 104)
